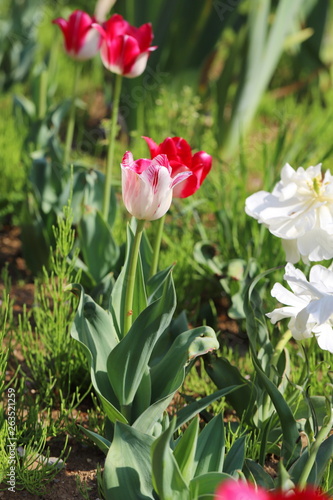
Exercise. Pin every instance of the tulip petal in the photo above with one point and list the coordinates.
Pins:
(153, 147)
(125, 48)
(82, 41)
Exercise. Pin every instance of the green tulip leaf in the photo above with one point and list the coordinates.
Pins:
(117, 305)
(168, 375)
(257, 332)
(184, 452)
(209, 456)
(224, 374)
(256, 473)
(142, 397)
(127, 470)
(234, 459)
(128, 361)
(93, 328)
(192, 409)
(146, 421)
(203, 487)
(100, 441)
(167, 478)
(98, 247)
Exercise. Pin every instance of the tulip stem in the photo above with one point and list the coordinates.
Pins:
(111, 147)
(42, 101)
(130, 278)
(157, 246)
(71, 118)
(321, 436)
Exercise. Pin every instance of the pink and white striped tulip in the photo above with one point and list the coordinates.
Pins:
(81, 40)
(125, 49)
(147, 186)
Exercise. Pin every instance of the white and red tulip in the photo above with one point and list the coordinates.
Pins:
(125, 49)
(147, 186)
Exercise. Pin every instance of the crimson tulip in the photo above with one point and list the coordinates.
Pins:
(82, 41)
(125, 49)
(240, 490)
(180, 157)
(147, 186)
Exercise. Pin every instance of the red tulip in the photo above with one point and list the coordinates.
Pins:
(125, 49)
(181, 159)
(81, 40)
(309, 493)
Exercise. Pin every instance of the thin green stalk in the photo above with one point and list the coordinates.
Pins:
(71, 118)
(321, 436)
(157, 245)
(130, 278)
(42, 100)
(112, 140)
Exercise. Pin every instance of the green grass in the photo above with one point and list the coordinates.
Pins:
(13, 173)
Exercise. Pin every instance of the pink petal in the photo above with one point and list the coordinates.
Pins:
(116, 26)
(239, 490)
(127, 159)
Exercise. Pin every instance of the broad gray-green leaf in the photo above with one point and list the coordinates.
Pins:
(167, 478)
(118, 294)
(184, 451)
(234, 459)
(93, 328)
(147, 420)
(168, 375)
(127, 470)
(224, 375)
(209, 456)
(192, 409)
(203, 487)
(100, 441)
(256, 473)
(129, 360)
(98, 247)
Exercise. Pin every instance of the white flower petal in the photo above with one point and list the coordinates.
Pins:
(300, 208)
(291, 250)
(324, 335)
(321, 310)
(316, 245)
(286, 297)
